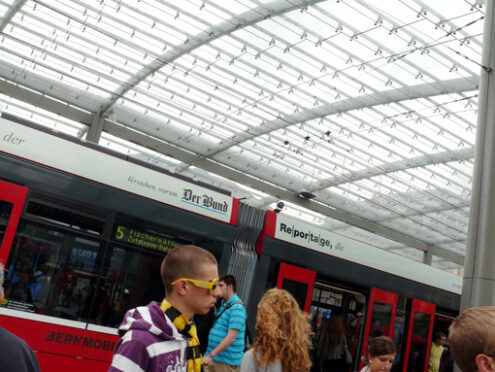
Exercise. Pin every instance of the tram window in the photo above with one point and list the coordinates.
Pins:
(316, 294)
(399, 332)
(66, 218)
(297, 289)
(5, 211)
(50, 271)
(380, 319)
(130, 278)
(419, 340)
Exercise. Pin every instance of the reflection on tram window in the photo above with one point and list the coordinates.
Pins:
(399, 331)
(327, 300)
(380, 319)
(5, 211)
(419, 342)
(50, 272)
(130, 278)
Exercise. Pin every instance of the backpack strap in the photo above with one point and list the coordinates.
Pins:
(228, 306)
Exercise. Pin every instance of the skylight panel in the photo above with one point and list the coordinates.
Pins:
(3, 10)
(212, 12)
(315, 19)
(288, 32)
(40, 116)
(348, 12)
(460, 64)
(345, 86)
(297, 60)
(450, 9)
(253, 37)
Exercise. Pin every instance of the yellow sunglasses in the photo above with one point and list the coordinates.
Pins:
(211, 286)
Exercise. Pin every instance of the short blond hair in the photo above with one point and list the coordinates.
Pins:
(185, 261)
(471, 334)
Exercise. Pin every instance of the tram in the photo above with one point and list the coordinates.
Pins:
(83, 234)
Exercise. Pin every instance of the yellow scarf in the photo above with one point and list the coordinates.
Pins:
(194, 358)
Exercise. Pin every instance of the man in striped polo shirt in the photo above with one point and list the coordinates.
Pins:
(226, 339)
(159, 337)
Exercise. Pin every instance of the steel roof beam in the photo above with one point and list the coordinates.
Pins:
(13, 9)
(380, 98)
(210, 165)
(277, 191)
(417, 162)
(248, 18)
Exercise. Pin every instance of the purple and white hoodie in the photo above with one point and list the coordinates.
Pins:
(149, 342)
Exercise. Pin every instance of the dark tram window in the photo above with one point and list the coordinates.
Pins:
(419, 340)
(129, 278)
(5, 211)
(399, 333)
(51, 272)
(297, 289)
(65, 217)
(380, 319)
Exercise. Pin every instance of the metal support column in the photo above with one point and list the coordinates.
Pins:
(427, 257)
(479, 268)
(94, 132)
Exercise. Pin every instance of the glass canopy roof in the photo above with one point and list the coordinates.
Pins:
(369, 107)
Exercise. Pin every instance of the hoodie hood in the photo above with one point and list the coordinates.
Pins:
(150, 319)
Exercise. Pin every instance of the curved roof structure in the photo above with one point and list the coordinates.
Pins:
(359, 115)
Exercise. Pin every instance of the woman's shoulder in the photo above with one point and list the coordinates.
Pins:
(248, 354)
(248, 364)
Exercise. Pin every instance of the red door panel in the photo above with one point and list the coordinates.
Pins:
(299, 282)
(419, 336)
(380, 317)
(12, 198)
(55, 362)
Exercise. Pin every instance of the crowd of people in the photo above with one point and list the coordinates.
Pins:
(163, 336)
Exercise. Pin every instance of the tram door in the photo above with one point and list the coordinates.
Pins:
(12, 198)
(329, 299)
(417, 348)
(299, 282)
(380, 317)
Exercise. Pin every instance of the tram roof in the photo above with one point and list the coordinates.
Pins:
(359, 115)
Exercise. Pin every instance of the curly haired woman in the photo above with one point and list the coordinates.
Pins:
(282, 336)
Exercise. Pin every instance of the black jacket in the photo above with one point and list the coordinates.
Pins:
(15, 354)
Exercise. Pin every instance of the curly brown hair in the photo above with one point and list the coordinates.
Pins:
(282, 332)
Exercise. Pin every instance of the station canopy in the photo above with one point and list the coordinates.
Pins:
(359, 115)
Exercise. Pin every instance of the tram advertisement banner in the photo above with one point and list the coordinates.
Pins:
(305, 235)
(71, 157)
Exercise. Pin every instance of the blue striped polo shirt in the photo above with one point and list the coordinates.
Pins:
(232, 318)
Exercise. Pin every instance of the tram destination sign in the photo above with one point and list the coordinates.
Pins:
(144, 239)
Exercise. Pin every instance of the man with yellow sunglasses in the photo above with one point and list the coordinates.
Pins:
(160, 336)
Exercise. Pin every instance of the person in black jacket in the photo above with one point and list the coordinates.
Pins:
(15, 354)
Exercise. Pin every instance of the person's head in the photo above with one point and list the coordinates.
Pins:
(282, 332)
(189, 275)
(440, 338)
(380, 354)
(227, 285)
(472, 340)
(336, 329)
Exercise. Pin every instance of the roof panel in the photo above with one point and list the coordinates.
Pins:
(329, 97)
